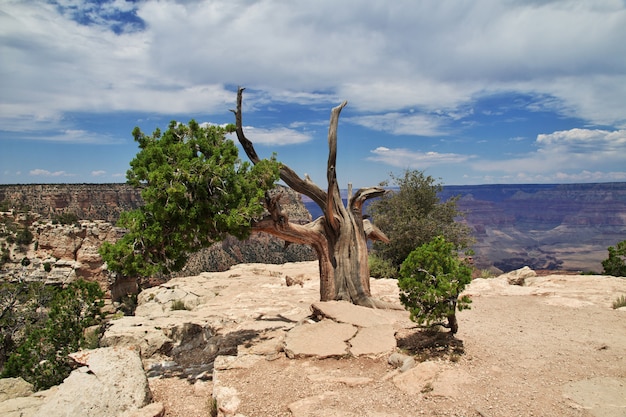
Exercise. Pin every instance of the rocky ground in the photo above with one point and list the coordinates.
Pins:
(245, 343)
(553, 347)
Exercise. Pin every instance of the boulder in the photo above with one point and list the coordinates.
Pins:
(20, 406)
(111, 382)
(401, 361)
(14, 388)
(518, 277)
(134, 332)
(419, 379)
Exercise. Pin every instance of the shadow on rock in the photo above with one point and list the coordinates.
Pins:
(428, 344)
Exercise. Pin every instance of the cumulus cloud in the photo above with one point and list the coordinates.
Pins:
(407, 68)
(402, 124)
(565, 152)
(407, 159)
(45, 173)
(279, 136)
(185, 57)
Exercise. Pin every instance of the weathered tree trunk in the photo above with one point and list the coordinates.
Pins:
(339, 237)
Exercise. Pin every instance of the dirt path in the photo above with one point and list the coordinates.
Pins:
(560, 352)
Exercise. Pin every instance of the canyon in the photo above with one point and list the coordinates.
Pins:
(546, 227)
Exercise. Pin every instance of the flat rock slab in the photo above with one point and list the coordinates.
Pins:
(20, 406)
(602, 396)
(111, 383)
(328, 404)
(14, 388)
(324, 339)
(345, 312)
(373, 341)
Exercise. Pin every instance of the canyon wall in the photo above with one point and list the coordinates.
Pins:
(87, 201)
(59, 253)
(546, 226)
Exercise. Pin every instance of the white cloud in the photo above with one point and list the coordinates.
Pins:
(45, 173)
(73, 136)
(402, 124)
(384, 57)
(279, 136)
(98, 173)
(565, 152)
(407, 159)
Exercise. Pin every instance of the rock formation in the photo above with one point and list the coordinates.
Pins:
(87, 201)
(60, 253)
(246, 330)
(548, 226)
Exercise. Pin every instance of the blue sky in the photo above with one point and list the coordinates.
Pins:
(471, 92)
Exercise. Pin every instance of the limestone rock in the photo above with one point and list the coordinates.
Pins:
(518, 277)
(134, 332)
(418, 379)
(150, 410)
(14, 388)
(20, 406)
(227, 401)
(111, 383)
(401, 361)
(345, 312)
(602, 396)
(373, 341)
(324, 339)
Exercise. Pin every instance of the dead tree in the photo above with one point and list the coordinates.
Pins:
(339, 236)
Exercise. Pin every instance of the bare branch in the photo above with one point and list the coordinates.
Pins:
(364, 194)
(306, 187)
(374, 233)
(334, 204)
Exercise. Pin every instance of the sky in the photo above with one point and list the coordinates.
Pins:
(470, 92)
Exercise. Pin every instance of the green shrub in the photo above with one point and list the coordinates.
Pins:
(65, 218)
(413, 215)
(382, 268)
(615, 264)
(47, 266)
(40, 356)
(431, 279)
(128, 304)
(179, 305)
(24, 237)
(620, 302)
(5, 256)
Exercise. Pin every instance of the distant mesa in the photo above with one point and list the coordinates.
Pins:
(544, 226)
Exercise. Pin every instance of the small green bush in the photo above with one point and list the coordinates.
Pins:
(382, 268)
(620, 302)
(179, 305)
(128, 304)
(431, 279)
(24, 237)
(55, 327)
(47, 266)
(5, 256)
(65, 218)
(615, 264)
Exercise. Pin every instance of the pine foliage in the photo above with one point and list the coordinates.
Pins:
(196, 192)
(431, 279)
